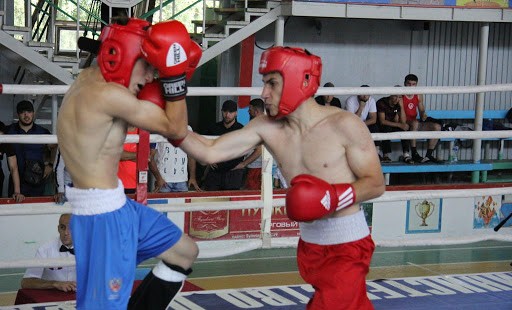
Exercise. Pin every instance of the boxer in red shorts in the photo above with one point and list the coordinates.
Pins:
(328, 157)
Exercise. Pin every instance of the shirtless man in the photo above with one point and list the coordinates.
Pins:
(111, 233)
(329, 158)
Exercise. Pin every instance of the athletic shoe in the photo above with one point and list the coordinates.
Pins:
(430, 159)
(408, 159)
(385, 159)
(417, 158)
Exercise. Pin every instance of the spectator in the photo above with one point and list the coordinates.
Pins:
(252, 161)
(173, 169)
(62, 178)
(329, 99)
(391, 117)
(12, 163)
(60, 278)
(225, 175)
(365, 107)
(412, 104)
(127, 171)
(34, 163)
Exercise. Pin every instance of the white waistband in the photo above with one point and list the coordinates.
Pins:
(335, 230)
(92, 201)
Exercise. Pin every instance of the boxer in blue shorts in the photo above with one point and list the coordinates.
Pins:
(111, 233)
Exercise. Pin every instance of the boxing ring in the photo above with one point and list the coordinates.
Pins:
(404, 215)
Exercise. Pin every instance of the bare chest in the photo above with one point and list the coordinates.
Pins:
(314, 152)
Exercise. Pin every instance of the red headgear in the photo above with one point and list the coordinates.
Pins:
(120, 49)
(301, 73)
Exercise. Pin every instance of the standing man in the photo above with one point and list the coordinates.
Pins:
(225, 175)
(329, 99)
(34, 160)
(391, 116)
(329, 159)
(412, 104)
(112, 233)
(12, 163)
(60, 278)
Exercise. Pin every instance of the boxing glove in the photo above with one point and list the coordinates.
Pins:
(152, 92)
(310, 198)
(166, 47)
(194, 55)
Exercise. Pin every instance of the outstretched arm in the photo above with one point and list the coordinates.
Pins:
(228, 146)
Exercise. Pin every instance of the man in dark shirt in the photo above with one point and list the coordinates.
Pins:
(8, 150)
(328, 99)
(33, 159)
(222, 176)
(391, 118)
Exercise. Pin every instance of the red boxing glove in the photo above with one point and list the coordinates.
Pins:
(194, 55)
(166, 47)
(310, 198)
(152, 92)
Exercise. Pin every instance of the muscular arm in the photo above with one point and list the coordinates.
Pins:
(363, 161)
(40, 284)
(171, 122)
(228, 146)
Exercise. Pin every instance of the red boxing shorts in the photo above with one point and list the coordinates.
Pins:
(337, 272)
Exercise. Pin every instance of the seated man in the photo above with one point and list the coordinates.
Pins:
(329, 99)
(391, 117)
(60, 278)
(412, 104)
(365, 107)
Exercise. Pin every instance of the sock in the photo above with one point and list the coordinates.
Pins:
(159, 287)
(413, 150)
(429, 153)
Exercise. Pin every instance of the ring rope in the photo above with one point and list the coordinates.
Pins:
(209, 249)
(10, 89)
(491, 134)
(52, 208)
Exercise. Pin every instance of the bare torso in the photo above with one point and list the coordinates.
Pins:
(323, 141)
(90, 140)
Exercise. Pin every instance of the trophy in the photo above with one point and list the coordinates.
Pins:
(424, 210)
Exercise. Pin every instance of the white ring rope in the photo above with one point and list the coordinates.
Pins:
(492, 134)
(256, 91)
(52, 208)
(210, 250)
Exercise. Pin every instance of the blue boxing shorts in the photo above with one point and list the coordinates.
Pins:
(112, 234)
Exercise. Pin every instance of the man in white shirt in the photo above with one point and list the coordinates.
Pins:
(365, 107)
(60, 278)
(173, 169)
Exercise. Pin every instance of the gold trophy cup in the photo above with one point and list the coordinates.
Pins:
(424, 210)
